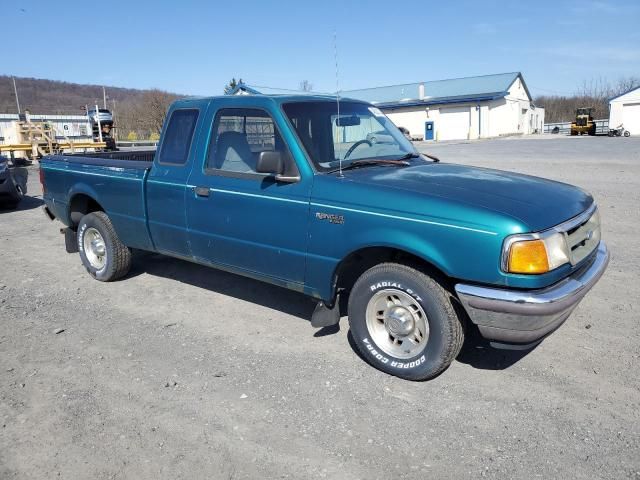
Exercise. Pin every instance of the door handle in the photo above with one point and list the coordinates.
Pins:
(201, 191)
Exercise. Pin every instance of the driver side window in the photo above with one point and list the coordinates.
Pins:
(239, 136)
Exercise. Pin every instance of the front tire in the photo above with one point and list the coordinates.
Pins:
(403, 323)
(102, 253)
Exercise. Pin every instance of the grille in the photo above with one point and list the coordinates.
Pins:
(582, 239)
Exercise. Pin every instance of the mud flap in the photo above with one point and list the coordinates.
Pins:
(70, 240)
(323, 316)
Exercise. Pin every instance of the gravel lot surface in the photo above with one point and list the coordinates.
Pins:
(179, 371)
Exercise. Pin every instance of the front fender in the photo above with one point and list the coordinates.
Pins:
(408, 242)
(449, 250)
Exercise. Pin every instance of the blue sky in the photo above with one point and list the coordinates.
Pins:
(195, 47)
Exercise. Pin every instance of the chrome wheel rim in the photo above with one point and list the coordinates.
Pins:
(397, 323)
(94, 248)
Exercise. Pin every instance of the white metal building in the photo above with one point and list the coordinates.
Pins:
(625, 110)
(461, 108)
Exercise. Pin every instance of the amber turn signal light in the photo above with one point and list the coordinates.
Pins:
(529, 256)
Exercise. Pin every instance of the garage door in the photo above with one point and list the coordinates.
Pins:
(631, 118)
(453, 123)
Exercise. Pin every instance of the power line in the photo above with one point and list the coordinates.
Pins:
(288, 89)
(557, 92)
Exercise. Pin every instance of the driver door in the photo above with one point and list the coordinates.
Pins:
(239, 218)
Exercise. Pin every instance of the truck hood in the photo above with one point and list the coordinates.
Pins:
(536, 202)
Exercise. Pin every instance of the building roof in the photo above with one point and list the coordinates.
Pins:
(624, 93)
(455, 90)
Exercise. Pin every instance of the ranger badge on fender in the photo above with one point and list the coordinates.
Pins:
(338, 219)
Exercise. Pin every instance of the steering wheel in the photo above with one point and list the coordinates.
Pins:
(356, 145)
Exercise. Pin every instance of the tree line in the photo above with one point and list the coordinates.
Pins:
(594, 93)
(139, 114)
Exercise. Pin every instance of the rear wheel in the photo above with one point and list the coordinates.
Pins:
(102, 253)
(403, 323)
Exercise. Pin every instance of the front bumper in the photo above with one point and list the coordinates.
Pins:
(523, 317)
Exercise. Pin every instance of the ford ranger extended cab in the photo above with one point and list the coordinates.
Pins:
(291, 190)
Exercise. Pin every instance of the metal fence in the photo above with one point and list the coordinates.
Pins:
(602, 127)
(137, 143)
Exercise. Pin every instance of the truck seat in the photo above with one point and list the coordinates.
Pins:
(234, 154)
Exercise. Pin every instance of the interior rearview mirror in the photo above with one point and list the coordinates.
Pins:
(348, 121)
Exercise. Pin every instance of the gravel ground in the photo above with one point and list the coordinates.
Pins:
(179, 371)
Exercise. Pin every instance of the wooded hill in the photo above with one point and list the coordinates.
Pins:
(53, 97)
(138, 113)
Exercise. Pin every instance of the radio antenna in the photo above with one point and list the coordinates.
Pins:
(335, 55)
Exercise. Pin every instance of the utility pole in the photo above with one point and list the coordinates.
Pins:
(104, 97)
(15, 90)
(98, 120)
(113, 116)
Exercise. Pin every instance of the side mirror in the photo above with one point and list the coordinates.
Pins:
(273, 163)
(270, 162)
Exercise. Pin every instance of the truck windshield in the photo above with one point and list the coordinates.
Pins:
(360, 132)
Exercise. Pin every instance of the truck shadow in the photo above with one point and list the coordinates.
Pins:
(236, 286)
(27, 203)
(475, 352)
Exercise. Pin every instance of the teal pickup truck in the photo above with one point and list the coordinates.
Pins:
(295, 191)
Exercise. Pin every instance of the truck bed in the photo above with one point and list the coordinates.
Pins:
(116, 180)
(138, 159)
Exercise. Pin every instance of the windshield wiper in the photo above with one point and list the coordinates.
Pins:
(365, 163)
(418, 155)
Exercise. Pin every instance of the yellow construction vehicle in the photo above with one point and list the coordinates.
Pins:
(584, 123)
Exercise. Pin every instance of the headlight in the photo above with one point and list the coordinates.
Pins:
(534, 254)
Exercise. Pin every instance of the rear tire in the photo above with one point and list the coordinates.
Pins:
(403, 323)
(102, 253)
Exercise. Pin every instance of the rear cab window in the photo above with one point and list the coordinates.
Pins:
(178, 137)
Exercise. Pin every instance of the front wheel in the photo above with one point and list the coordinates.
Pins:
(102, 253)
(403, 323)
(627, 133)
